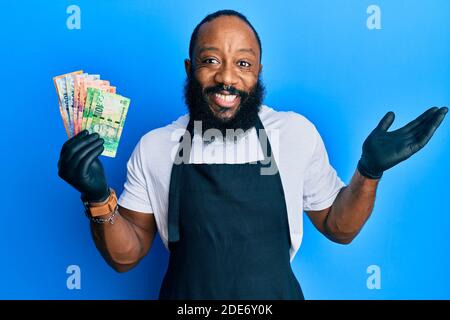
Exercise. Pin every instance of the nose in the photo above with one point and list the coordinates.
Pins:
(226, 75)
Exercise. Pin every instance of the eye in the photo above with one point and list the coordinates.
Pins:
(244, 64)
(210, 61)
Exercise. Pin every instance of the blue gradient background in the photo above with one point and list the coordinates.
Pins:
(319, 60)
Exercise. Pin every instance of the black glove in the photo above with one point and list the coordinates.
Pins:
(79, 166)
(383, 150)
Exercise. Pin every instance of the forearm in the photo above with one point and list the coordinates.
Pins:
(351, 208)
(118, 243)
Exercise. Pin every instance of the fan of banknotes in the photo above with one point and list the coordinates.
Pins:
(88, 103)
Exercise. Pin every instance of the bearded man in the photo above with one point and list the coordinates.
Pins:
(226, 184)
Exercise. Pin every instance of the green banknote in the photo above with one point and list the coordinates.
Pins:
(89, 97)
(90, 109)
(107, 117)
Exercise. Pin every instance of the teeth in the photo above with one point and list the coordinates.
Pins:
(226, 97)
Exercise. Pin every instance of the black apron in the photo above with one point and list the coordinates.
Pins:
(228, 232)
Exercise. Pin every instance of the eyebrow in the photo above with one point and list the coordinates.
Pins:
(249, 50)
(203, 49)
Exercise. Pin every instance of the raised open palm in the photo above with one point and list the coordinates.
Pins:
(383, 150)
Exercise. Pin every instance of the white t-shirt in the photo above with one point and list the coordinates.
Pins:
(308, 179)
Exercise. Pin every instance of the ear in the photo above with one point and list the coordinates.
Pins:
(187, 66)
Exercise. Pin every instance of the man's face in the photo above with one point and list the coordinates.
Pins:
(224, 74)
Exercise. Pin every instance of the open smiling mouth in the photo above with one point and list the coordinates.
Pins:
(224, 102)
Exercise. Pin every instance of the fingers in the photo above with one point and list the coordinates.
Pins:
(82, 153)
(73, 140)
(428, 129)
(78, 145)
(419, 120)
(86, 162)
(386, 121)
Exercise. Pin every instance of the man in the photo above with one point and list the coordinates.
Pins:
(231, 227)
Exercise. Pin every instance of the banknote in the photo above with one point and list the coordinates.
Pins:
(85, 110)
(108, 115)
(70, 94)
(87, 106)
(60, 89)
(76, 87)
(63, 99)
(90, 81)
(78, 96)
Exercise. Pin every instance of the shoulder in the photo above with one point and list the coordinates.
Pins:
(295, 136)
(288, 122)
(166, 136)
(155, 148)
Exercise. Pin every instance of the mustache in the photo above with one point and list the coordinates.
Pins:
(230, 89)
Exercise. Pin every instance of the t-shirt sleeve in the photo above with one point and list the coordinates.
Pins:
(135, 195)
(321, 183)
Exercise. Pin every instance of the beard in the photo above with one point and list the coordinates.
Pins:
(244, 118)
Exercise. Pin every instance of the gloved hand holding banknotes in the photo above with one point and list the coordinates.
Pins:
(93, 116)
